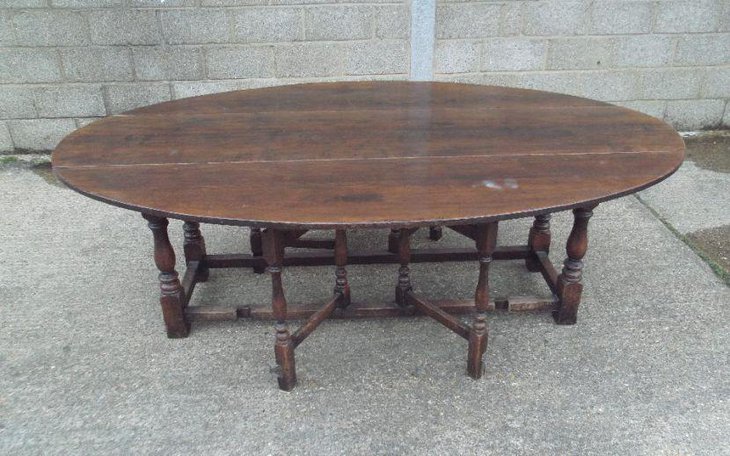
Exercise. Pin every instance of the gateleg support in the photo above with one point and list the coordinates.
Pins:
(570, 286)
(273, 246)
(194, 249)
(172, 294)
(485, 236)
(538, 241)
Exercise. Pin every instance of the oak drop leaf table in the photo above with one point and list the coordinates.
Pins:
(339, 156)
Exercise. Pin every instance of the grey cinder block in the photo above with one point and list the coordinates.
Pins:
(467, 20)
(50, 28)
(380, 57)
(613, 17)
(29, 65)
(456, 56)
(392, 21)
(309, 59)
(643, 51)
(240, 62)
(78, 100)
(154, 63)
(694, 114)
(123, 97)
(7, 36)
(251, 25)
(124, 27)
(6, 142)
(514, 54)
(39, 134)
(194, 26)
(92, 64)
(668, 83)
(610, 85)
(554, 17)
(717, 83)
(85, 3)
(579, 53)
(24, 3)
(16, 102)
(562, 82)
(687, 16)
(338, 23)
(698, 50)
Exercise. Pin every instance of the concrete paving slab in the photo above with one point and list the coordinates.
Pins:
(698, 196)
(86, 368)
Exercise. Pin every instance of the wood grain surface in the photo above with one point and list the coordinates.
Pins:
(356, 154)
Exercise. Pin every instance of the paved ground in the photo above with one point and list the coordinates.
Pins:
(85, 367)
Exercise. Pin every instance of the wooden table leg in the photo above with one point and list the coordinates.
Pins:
(538, 241)
(256, 247)
(194, 248)
(342, 287)
(569, 282)
(404, 258)
(273, 246)
(172, 295)
(393, 237)
(486, 242)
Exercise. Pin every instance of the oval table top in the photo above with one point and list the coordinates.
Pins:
(367, 154)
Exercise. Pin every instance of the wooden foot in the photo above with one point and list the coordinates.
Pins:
(569, 282)
(435, 233)
(342, 287)
(538, 241)
(486, 241)
(194, 248)
(404, 258)
(172, 295)
(256, 248)
(273, 245)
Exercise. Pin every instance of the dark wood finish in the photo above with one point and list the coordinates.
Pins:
(172, 295)
(402, 152)
(257, 249)
(486, 241)
(396, 155)
(273, 245)
(429, 255)
(194, 248)
(435, 233)
(570, 287)
(342, 287)
(434, 311)
(393, 238)
(538, 240)
(404, 259)
(365, 310)
(315, 319)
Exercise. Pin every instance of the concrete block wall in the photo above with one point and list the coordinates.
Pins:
(668, 58)
(64, 63)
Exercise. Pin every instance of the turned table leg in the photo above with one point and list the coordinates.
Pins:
(435, 232)
(404, 258)
(393, 238)
(256, 247)
(194, 248)
(172, 296)
(538, 240)
(341, 285)
(273, 246)
(486, 242)
(569, 282)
